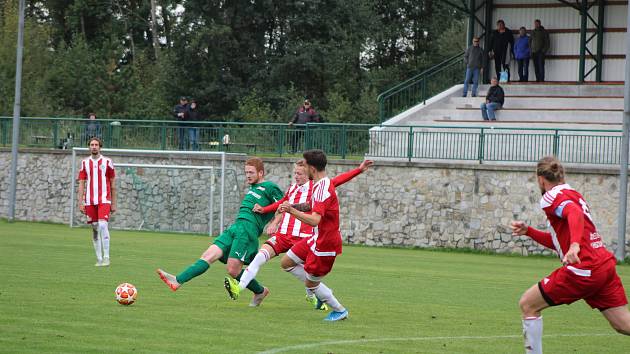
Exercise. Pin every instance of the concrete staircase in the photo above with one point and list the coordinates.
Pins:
(579, 123)
(557, 105)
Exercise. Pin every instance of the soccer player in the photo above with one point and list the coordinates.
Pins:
(238, 244)
(98, 200)
(286, 229)
(312, 258)
(588, 269)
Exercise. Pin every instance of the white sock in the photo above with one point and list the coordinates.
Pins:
(298, 272)
(309, 292)
(532, 332)
(252, 269)
(96, 241)
(325, 294)
(102, 226)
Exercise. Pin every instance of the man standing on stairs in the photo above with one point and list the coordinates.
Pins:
(473, 58)
(499, 41)
(494, 100)
(539, 46)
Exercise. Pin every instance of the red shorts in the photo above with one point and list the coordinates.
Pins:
(601, 290)
(316, 266)
(97, 212)
(282, 243)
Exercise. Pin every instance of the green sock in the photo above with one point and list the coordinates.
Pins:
(254, 285)
(195, 269)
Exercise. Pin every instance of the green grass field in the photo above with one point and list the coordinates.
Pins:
(53, 299)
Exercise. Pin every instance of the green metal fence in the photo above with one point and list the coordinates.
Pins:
(421, 87)
(474, 143)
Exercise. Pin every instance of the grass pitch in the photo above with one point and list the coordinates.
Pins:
(53, 299)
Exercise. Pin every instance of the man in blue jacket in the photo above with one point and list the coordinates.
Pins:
(521, 53)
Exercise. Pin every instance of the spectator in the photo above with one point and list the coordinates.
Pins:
(499, 41)
(521, 53)
(193, 131)
(474, 65)
(180, 113)
(305, 114)
(92, 129)
(494, 100)
(540, 44)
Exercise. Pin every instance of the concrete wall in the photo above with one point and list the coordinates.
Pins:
(394, 204)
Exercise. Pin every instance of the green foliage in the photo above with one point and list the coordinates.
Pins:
(253, 61)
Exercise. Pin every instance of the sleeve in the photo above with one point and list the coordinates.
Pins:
(82, 173)
(547, 43)
(175, 112)
(544, 238)
(111, 172)
(345, 177)
(466, 54)
(321, 201)
(575, 217)
(295, 116)
(277, 194)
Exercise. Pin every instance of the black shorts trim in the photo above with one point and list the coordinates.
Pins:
(545, 296)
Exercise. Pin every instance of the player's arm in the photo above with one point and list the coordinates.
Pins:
(269, 208)
(303, 207)
(542, 237)
(272, 226)
(312, 219)
(575, 218)
(349, 175)
(81, 195)
(112, 190)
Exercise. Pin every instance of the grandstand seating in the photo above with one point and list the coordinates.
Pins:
(551, 104)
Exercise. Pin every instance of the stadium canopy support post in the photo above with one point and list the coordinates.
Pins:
(623, 173)
(16, 112)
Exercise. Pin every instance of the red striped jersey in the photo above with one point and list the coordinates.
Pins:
(97, 174)
(325, 203)
(290, 225)
(592, 250)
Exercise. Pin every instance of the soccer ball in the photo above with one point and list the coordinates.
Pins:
(126, 294)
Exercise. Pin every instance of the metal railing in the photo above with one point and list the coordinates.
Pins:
(474, 143)
(421, 87)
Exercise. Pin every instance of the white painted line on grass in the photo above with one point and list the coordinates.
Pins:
(403, 339)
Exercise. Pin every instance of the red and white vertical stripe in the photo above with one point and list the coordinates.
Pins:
(290, 225)
(97, 174)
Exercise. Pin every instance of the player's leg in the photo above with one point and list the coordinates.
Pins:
(103, 228)
(325, 294)
(532, 303)
(242, 251)
(96, 242)
(263, 256)
(619, 319)
(92, 215)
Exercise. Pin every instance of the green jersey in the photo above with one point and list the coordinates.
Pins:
(263, 194)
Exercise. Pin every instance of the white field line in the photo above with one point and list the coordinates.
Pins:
(421, 339)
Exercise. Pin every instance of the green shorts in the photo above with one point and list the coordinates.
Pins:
(239, 241)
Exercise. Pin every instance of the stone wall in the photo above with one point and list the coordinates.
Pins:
(394, 204)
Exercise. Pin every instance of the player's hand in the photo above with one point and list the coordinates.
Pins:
(572, 255)
(285, 207)
(257, 209)
(365, 165)
(82, 208)
(518, 228)
(271, 228)
(113, 208)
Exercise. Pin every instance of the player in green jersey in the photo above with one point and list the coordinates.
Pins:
(238, 244)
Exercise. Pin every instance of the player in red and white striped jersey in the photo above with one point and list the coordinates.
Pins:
(97, 197)
(588, 270)
(311, 259)
(286, 229)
